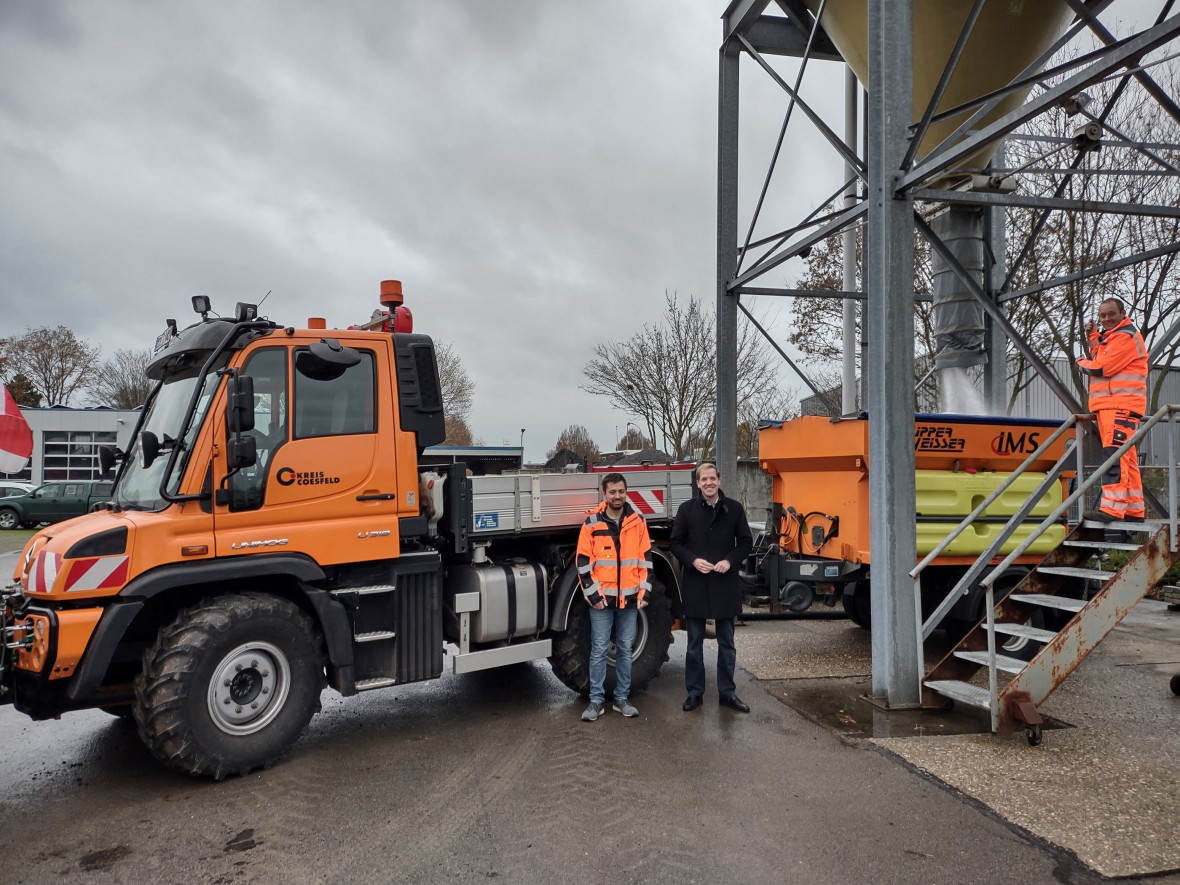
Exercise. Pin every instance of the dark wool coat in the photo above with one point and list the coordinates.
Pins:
(712, 533)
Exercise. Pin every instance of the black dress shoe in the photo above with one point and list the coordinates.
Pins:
(734, 703)
(692, 702)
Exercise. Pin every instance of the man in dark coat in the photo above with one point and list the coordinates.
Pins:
(711, 537)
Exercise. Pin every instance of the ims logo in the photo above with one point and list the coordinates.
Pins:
(1008, 443)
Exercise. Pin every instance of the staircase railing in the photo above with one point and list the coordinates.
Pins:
(1084, 484)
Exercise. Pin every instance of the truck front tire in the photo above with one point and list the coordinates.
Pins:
(229, 685)
(653, 635)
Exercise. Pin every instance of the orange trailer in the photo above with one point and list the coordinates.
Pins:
(817, 542)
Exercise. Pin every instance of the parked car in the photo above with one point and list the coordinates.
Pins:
(10, 487)
(53, 502)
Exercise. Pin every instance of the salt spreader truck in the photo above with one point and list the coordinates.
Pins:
(269, 535)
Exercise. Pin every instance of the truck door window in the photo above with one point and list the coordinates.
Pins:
(268, 368)
(343, 405)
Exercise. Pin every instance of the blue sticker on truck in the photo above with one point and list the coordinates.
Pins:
(487, 521)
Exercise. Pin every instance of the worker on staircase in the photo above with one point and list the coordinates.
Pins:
(1117, 367)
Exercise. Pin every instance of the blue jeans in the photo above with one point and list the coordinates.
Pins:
(694, 659)
(601, 621)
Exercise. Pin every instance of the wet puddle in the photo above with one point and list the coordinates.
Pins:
(842, 706)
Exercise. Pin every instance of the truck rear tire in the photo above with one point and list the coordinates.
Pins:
(229, 685)
(653, 635)
(9, 518)
(857, 606)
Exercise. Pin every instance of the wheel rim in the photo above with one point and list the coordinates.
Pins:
(637, 645)
(249, 688)
(7, 520)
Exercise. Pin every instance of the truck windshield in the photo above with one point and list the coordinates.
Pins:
(139, 487)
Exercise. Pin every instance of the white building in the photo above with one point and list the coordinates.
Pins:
(66, 441)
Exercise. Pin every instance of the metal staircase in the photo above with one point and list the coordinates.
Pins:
(1064, 607)
(1071, 627)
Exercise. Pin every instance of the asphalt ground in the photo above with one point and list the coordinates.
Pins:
(494, 776)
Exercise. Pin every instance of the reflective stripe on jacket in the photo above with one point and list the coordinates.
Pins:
(605, 569)
(1118, 369)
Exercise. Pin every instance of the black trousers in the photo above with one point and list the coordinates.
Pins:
(694, 660)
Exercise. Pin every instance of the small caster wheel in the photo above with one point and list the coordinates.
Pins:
(1033, 732)
(1176, 684)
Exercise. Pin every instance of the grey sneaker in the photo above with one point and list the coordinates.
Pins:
(592, 712)
(624, 707)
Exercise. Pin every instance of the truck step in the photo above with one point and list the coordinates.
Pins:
(374, 636)
(1123, 525)
(1071, 572)
(1003, 662)
(964, 692)
(1065, 603)
(361, 591)
(1101, 545)
(1025, 632)
(378, 682)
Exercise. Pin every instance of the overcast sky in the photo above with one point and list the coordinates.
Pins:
(536, 172)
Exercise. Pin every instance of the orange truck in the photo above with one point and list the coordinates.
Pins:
(270, 534)
(816, 546)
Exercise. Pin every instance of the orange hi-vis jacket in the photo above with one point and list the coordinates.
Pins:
(1117, 368)
(609, 570)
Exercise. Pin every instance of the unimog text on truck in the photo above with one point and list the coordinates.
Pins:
(267, 537)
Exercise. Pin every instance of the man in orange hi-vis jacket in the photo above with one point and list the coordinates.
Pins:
(1118, 396)
(614, 568)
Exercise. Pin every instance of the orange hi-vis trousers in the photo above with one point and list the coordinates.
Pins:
(1122, 487)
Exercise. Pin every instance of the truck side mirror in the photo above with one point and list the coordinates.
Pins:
(239, 408)
(149, 449)
(107, 456)
(241, 452)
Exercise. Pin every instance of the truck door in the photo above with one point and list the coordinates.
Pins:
(325, 481)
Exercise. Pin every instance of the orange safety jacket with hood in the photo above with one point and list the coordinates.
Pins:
(611, 565)
(1117, 368)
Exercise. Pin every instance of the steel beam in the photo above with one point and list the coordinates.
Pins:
(977, 198)
(727, 235)
(897, 659)
(848, 255)
(995, 372)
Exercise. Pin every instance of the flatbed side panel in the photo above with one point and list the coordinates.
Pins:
(528, 502)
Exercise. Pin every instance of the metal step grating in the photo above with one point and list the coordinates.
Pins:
(1123, 525)
(1065, 603)
(1003, 662)
(964, 692)
(1101, 545)
(1089, 574)
(1025, 632)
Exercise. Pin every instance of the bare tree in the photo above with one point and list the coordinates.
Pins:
(458, 390)
(666, 374)
(577, 439)
(57, 363)
(123, 381)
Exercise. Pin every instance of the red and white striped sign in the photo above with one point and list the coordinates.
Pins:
(100, 573)
(44, 572)
(649, 502)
